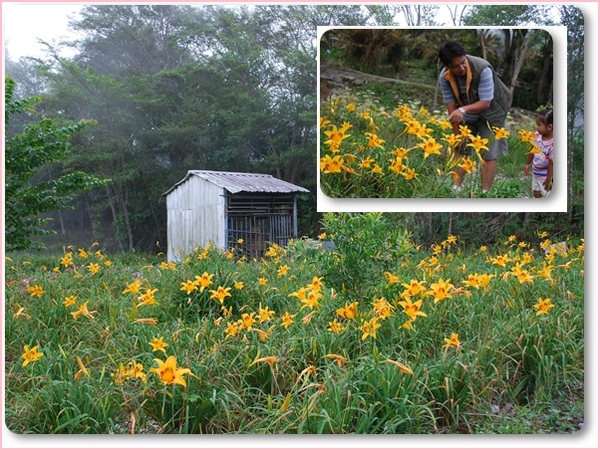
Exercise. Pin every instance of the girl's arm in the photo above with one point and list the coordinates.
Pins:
(528, 162)
(548, 180)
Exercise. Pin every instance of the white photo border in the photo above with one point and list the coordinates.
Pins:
(556, 201)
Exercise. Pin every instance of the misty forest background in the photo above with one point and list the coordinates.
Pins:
(174, 88)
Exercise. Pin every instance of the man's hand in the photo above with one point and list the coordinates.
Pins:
(456, 117)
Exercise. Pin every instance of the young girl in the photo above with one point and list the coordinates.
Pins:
(543, 165)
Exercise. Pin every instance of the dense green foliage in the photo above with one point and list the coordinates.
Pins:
(376, 335)
(174, 88)
(26, 154)
(522, 57)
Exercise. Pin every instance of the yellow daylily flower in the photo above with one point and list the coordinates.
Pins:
(169, 373)
(220, 294)
(133, 288)
(452, 341)
(430, 146)
(412, 310)
(441, 290)
(335, 327)
(414, 287)
(158, 345)
(348, 311)
(188, 286)
(543, 306)
(35, 291)
(500, 133)
(328, 164)
(204, 280)
(67, 260)
(287, 319)
(83, 311)
(369, 328)
(468, 165)
(147, 298)
(30, 355)
(374, 140)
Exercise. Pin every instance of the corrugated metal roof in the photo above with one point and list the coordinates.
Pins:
(236, 182)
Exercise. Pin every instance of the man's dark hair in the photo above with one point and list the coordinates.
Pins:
(451, 50)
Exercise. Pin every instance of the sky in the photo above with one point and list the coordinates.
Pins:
(24, 24)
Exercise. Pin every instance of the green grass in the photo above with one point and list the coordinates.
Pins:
(513, 372)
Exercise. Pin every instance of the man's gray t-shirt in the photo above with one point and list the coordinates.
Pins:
(486, 90)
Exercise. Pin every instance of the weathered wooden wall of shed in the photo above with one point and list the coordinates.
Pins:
(195, 217)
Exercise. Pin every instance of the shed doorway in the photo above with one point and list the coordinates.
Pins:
(259, 220)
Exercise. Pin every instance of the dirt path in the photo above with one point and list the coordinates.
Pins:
(337, 78)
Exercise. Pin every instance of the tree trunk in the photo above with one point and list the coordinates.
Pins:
(113, 210)
(427, 220)
(570, 192)
(90, 216)
(544, 89)
(575, 98)
(457, 18)
(514, 56)
(521, 54)
(62, 224)
(125, 210)
(517, 42)
(481, 34)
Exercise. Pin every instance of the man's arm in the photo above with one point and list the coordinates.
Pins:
(486, 90)
(456, 115)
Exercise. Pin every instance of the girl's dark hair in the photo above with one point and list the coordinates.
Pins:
(451, 50)
(545, 115)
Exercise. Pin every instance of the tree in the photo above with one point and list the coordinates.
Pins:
(457, 13)
(174, 88)
(39, 144)
(28, 80)
(137, 39)
(517, 43)
(419, 15)
(127, 76)
(572, 17)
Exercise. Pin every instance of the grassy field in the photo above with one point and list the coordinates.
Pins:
(375, 336)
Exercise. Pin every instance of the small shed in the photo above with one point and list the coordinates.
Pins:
(224, 207)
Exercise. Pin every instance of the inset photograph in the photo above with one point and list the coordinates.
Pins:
(436, 113)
